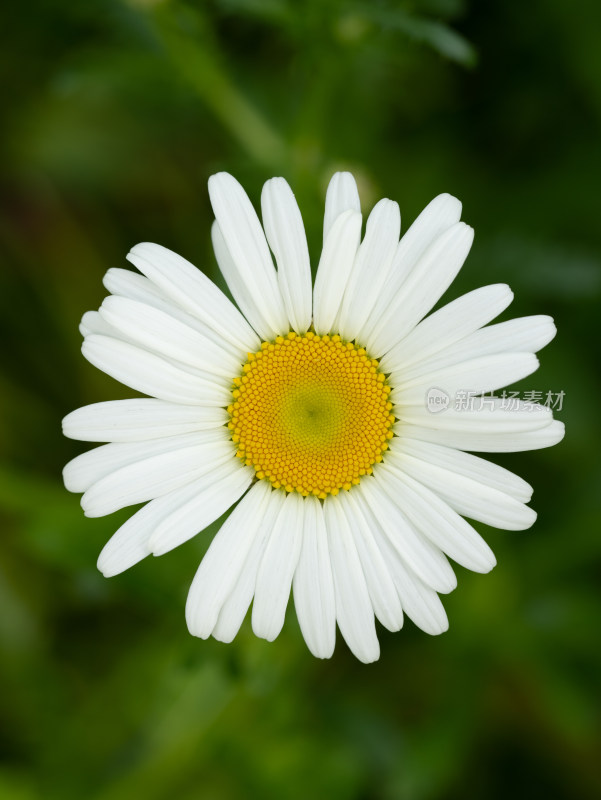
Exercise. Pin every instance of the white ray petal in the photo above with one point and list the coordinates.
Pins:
(342, 195)
(137, 420)
(468, 496)
(84, 470)
(370, 269)
(483, 414)
(499, 442)
(286, 236)
(236, 605)
(437, 217)
(216, 491)
(448, 325)
(126, 283)
(439, 523)
(276, 570)
(150, 374)
(384, 596)
(335, 264)
(153, 477)
(424, 286)
(313, 584)
(477, 376)
(457, 462)
(224, 560)
(160, 333)
(420, 555)
(187, 286)
(354, 610)
(249, 270)
(93, 323)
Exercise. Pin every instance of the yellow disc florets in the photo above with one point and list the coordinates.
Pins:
(311, 413)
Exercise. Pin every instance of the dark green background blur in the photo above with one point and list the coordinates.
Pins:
(113, 116)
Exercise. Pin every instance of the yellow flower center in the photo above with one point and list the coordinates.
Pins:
(311, 413)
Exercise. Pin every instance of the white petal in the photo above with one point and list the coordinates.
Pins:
(448, 325)
(342, 195)
(160, 333)
(384, 596)
(424, 286)
(477, 376)
(286, 236)
(420, 555)
(224, 560)
(126, 283)
(468, 496)
(313, 584)
(216, 491)
(150, 374)
(277, 568)
(354, 610)
(84, 470)
(137, 420)
(337, 257)
(153, 477)
(249, 270)
(439, 215)
(482, 415)
(194, 292)
(459, 463)
(92, 322)
(522, 335)
(130, 543)
(420, 603)
(236, 605)
(439, 523)
(501, 442)
(370, 269)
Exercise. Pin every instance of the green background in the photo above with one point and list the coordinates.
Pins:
(113, 116)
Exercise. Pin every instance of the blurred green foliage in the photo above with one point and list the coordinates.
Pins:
(113, 115)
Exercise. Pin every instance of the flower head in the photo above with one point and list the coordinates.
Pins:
(307, 411)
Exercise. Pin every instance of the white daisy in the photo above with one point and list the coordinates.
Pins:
(306, 411)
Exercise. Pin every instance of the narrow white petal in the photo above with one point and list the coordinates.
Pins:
(277, 568)
(439, 523)
(236, 605)
(153, 477)
(84, 470)
(522, 335)
(483, 415)
(216, 491)
(384, 596)
(468, 496)
(286, 236)
(448, 325)
(337, 257)
(424, 286)
(313, 584)
(130, 542)
(160, 333)
(194, 292)
(459, 463)
(126, 283)
(249, 270)
(439, 215)
(137, 420)
(500, 442)
(92, 322)
(224, 560)
(478, 376)
(342, 195)
(420, 555)
(370, 269)
(354, 610)
(150, 374)
(420, 603)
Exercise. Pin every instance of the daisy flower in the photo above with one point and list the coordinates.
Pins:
(305, 409)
